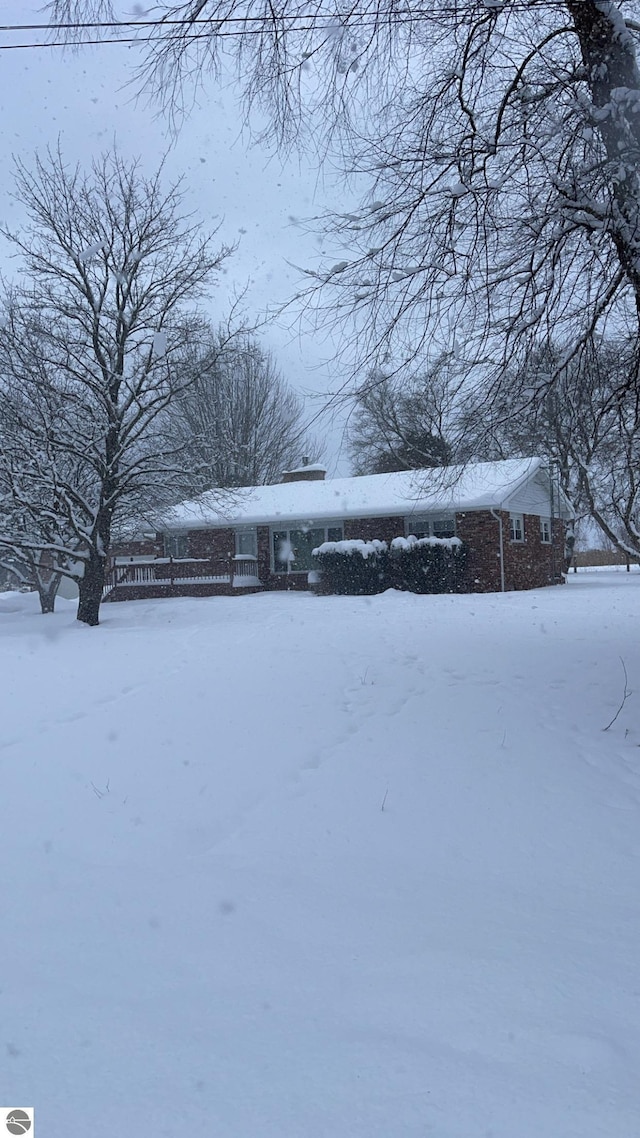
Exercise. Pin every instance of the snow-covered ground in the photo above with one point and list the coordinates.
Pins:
(281, 866)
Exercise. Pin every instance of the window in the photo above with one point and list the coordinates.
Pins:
(176, 545)
(545, 530)
(247, 542)
(443, 525)
(293, 548)
(516, 527)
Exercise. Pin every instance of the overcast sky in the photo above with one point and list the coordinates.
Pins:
(82, 99)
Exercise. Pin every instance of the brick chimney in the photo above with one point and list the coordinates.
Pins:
(308, 472)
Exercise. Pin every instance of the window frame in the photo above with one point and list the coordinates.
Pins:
(514, 519)
(176, 536)
(246, 531)
(422, 525)
(546, 522)
(279, 567)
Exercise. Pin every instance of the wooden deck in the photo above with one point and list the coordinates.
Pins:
(137, 579)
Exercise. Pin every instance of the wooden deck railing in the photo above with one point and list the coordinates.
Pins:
(171, 571)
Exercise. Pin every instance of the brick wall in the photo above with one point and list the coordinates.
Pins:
(211, 543)
(221, 542)
(297, 582)
(370, 529)
(527, 565)
(264, 554)
(144, 548)
(531, 564)
(481, 532)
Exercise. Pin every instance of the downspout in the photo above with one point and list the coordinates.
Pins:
(552, 472)
(499, 521)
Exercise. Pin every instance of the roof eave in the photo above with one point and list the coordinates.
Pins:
(338, 515)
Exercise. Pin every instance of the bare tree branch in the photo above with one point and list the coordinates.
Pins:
(236, 423)
(500, 142)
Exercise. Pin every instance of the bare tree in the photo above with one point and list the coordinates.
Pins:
(236, 422)
(501, 142)
(20, 565)
(601, 436)
(88, 346)
(28, 565)
(32, 571)
(35, 537)
(401, 424)
(584, 417)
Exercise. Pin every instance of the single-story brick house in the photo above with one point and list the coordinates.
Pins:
(512, 515)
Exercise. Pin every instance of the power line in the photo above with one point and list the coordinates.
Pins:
(92, 25)
(302, 21)
(218, 27)
(406, 13)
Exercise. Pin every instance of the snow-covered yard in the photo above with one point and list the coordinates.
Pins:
(291, 867)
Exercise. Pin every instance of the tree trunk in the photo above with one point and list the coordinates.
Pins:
(613, 77)
(90, 587)
(48, 593)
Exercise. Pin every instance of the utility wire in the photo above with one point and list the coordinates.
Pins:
(217, 29)
(410, 13)
(364, 19)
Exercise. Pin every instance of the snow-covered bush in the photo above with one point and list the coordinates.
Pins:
(352, 568)
(427, 564)
(417, 565)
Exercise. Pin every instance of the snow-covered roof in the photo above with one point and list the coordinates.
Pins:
(404, 493)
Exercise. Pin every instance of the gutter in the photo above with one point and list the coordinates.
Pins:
(499, 521)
